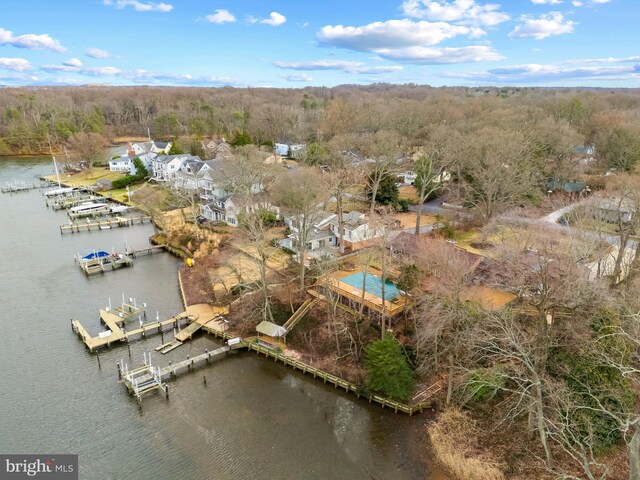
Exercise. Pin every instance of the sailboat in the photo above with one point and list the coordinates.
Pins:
(60, 190)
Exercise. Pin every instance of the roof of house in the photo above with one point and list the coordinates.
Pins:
(271, 329)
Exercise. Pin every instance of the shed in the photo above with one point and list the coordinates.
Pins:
(270, 335)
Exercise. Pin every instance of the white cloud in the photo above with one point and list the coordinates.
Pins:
(91, 71)
(15, 64)
(139, 6)
(434, 56)
(97, 53)
(532, 74)
(296, 77)
(31, 41)
(391, 34)
(221, 16)
(275, 19)
(577, 3)
(547, 25)
(460, 11)
(343, 65)
(73, 62)
(546, 2)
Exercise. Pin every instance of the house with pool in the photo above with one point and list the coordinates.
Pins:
(363, 289)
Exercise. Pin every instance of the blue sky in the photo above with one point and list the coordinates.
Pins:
(295, 43)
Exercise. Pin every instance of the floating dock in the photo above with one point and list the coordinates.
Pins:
(106, 224)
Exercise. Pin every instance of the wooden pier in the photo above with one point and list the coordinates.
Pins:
(106, 224)
(103, 264)
(17, 187)
(115, 333)
(137, 252)
(148, 378)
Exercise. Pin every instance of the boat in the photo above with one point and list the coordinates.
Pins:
(60, 190)
(118, 209)
(87, 208)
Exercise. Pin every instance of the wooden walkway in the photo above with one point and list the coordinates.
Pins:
(299, 314)
(348, 386)
(77, 227)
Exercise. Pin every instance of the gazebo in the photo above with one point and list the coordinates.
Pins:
(271, 335)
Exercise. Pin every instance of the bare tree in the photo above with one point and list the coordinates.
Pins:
(300, 194)
(428, 180)
(88, 147)
(497, 173)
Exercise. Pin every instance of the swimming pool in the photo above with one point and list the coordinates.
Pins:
(373, 285)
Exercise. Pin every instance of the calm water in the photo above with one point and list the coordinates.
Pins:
(254, 419)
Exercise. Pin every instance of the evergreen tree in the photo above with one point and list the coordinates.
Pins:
(176, 148)
(387, 193)
(389, 372)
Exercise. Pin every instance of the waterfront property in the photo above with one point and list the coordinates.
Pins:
(366, 290)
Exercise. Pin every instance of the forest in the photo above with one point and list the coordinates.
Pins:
(546, 387)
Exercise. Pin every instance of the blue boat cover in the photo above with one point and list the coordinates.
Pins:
(93, 255)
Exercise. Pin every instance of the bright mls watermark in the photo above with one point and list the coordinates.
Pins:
(51, 467)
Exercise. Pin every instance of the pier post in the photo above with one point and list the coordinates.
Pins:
(204, 379)
(98, 357)
(119, 371)
(166, 390)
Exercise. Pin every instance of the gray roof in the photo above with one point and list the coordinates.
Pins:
(271, 329)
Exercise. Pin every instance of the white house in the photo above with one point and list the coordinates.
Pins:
(293, 150)
(160, 148)
(165, 167)
(358, 230)
(121, 164)
(228, 209)
(319, 236)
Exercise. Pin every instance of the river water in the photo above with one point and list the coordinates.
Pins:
(253, 418)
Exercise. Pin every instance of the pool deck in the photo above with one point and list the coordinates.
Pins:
(391, 308)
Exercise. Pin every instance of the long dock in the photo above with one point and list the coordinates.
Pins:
(147, 378)
(77, 227)
(116, 334)
(17, 187)
(200, 314)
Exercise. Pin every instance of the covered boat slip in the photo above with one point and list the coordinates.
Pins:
(100, 261)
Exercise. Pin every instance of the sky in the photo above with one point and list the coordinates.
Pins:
(296, 43)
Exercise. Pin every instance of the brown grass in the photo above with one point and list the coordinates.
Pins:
(454, 439)
(408, 192)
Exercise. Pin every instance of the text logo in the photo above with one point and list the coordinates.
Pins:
(49, 467)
